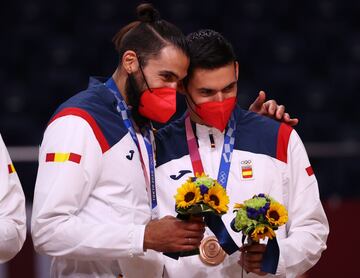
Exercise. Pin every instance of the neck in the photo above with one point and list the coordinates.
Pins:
(120, 77)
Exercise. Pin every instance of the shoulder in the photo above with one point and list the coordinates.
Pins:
(259, 134)
(171, 142)
(97, 107)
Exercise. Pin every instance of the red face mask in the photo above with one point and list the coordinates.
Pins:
(159, 104)
(216, 113)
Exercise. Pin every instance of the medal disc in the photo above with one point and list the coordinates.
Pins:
(211, 252)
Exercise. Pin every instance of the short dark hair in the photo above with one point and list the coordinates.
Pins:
(208, 50)
(148, 35)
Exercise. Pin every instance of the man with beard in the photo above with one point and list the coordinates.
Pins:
(248, 154)
(12, 208)
(95, 208)
(96, 167)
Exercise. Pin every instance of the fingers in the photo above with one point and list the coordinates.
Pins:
(251, 262)
(293, 122)
(257, 105)
(188, 243)
(251, 257)
(179, 244)
(254, 247)
(277, 112)
(195, 226)
(194, 241)
(189, 234)
(289, 121)
(280, 112)
(269, 108)
(259, 101)
(193, 235)
(197, 218)
(170, 234)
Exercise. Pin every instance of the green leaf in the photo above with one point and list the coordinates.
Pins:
(249, 230)
(196, 209)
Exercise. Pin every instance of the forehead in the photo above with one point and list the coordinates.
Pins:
(169, 59)
(213, 78)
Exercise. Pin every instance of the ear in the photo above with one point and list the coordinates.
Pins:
(130, 61)
(236, 70)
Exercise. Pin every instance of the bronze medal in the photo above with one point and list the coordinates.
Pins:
(211, 252)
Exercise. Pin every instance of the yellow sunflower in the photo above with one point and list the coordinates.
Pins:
(187, 195)
(262, 231)
(217, 199)
(277, 214)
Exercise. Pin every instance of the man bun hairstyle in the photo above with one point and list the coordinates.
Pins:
(208, 50)
(148, 35)
(147, 13)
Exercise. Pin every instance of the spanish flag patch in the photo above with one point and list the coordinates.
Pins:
(63, 157)
(247, 171)
(11, 168)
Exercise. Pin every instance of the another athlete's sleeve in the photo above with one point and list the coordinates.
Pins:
(70, 164)
(12, 208)
(307, 228)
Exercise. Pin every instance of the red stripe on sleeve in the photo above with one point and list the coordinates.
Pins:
(50, 157)
(74, 157)
(283, 141)
(309, 171)
(87, 117)
(10, 169)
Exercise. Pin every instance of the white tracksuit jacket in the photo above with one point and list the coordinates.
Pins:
(280, 168)
(91, 204)
(12, 208)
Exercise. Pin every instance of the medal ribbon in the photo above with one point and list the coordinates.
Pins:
(125, 113)
(212, 220)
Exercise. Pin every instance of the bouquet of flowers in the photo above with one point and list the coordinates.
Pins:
(258, 218)
(201, 194)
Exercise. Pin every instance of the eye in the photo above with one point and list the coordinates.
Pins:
(207, 92)
(167, 77)
(229, 88)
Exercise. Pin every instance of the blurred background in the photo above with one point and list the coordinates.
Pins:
(304, 54)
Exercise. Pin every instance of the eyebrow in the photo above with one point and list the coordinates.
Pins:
(208, 89)
(163, 72)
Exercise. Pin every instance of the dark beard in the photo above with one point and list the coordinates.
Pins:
(133, 94)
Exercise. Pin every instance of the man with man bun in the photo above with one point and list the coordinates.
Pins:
(91, 211)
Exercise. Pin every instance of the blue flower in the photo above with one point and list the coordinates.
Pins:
(252, 213)
(263, 210)
(203, 189)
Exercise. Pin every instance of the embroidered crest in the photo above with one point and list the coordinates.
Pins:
(247, 172)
